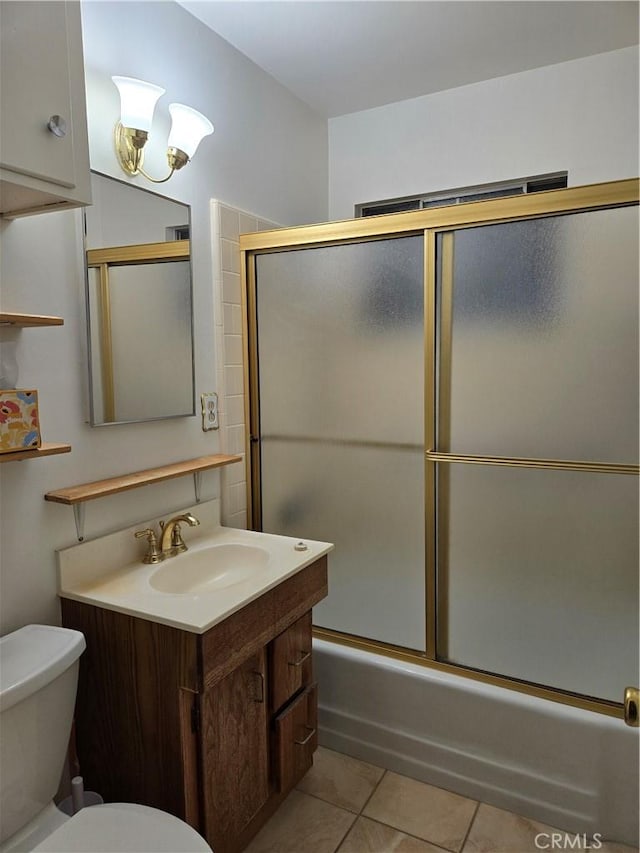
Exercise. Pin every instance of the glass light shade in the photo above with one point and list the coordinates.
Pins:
(188, 128)
(137, 102)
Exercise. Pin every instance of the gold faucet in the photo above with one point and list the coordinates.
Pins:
(153, 555)
(171, 542)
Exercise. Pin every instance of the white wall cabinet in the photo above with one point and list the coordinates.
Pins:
(44, 161)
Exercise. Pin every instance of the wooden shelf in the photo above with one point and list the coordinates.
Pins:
(101, 488)
(35, 453)
(8, 318)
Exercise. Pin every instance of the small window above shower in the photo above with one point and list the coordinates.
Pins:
(480, 192)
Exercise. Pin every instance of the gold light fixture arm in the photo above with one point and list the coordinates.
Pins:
(129, 145)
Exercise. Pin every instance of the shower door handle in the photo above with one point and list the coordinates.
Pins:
(632, 706)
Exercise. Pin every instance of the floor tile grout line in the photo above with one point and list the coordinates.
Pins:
(471, 822)
(349, 828)
(375, 788)
(382, 823)
(410, 835)
(417, 837)
(323, 800)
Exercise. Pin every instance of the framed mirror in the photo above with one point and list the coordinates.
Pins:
(139, 305)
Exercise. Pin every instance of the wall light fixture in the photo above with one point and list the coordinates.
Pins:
(137, 103)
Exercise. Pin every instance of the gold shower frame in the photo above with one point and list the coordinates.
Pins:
(428, 222)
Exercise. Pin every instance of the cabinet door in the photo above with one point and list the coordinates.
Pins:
(290, 662)
(35, 85)
(234, 744)
(296, 738)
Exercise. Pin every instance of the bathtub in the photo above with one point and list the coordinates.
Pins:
(573, 769)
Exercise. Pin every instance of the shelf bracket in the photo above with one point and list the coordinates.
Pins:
(78, 514)
(197, 485)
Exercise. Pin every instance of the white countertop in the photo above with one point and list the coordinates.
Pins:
(108, 572)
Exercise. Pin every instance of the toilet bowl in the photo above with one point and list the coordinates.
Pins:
(38, 679)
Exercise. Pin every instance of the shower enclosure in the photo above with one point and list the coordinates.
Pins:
(451, 396)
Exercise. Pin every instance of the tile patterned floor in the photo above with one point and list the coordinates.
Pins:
(348, 806)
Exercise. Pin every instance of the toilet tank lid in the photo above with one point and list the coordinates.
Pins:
(33, 656)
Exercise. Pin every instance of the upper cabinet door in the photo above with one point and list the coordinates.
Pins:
(43, 142)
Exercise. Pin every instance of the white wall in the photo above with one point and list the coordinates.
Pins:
(581, 116)
(268, 155)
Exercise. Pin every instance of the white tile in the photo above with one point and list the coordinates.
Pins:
(234, 379)
(265, 225)
(216, 257)
(237, 497)
(219, 346)
(235, 410)
(232, 349)
(217, 302)
(223, 438)
(230, 256)
(235, 473)
(231, 287)
(227, 315)
(236, 322)
(220, 382)
(229, 223)
(229, 437)
(236, 438)
(248, 224)
(237, 519)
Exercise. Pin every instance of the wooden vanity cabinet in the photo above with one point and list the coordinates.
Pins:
(215, 728)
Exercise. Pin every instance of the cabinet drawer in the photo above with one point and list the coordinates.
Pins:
(296, 738)
(226, 645)
(291, 667)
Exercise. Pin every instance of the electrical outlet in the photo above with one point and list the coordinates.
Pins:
(209, 411)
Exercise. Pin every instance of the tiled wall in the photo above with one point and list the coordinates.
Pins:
(227, 224)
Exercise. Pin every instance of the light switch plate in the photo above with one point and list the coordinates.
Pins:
(209, 411)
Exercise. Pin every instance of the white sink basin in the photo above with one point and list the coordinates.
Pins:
(209, 569)
(224, 569)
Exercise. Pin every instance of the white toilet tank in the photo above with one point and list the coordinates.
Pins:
(38, 679)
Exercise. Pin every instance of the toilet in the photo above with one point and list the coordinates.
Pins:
(38, 679)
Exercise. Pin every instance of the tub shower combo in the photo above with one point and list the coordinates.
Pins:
(451, 396)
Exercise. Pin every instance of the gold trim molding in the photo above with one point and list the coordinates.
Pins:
(554, 464)
(591, 197)
(140, 253)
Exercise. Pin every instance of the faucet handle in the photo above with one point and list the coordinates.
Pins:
(177, 542)
(154, 554)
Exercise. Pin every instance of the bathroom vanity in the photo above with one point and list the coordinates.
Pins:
(214, 725)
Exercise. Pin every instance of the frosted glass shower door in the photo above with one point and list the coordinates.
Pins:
(537, 439)
(341, 378)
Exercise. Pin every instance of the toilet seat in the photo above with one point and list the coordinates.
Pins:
(129, 827)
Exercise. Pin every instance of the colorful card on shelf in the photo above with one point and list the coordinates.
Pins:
(19, 424)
